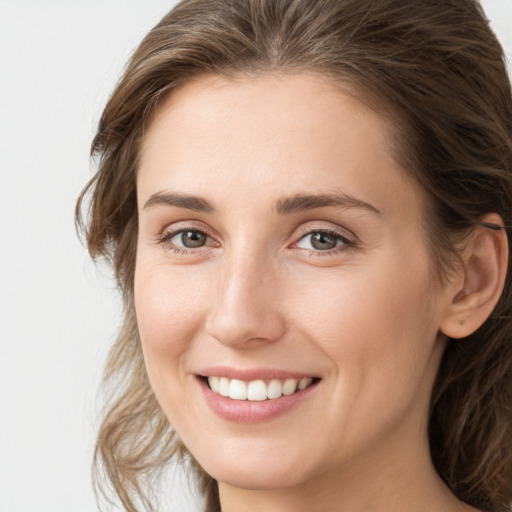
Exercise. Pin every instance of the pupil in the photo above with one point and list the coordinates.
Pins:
(323, 241)
(193, 239)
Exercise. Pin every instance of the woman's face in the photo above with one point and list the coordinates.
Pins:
(281, 247)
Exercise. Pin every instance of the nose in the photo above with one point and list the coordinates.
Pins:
(245, 311)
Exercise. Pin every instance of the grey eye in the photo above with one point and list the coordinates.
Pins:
(323, 241)
(320, 241)
(191, 239)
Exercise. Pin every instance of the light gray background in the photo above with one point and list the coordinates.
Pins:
(58, 312)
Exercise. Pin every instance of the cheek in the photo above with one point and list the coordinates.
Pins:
(377, 307)
(376, 333)
(376, 327)
(167, 308)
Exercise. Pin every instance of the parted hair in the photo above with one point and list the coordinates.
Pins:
(433, 68)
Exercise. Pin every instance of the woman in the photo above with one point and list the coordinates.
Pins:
(305, 206)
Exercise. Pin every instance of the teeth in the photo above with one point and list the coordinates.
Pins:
(238, 390)
(275, 389)
(257, 390)
(289, 386)
(304, 383)
(223, 386)
(214, 383)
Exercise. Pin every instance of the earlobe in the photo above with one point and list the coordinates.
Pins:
(482, 276)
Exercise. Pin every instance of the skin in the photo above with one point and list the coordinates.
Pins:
(364, 317)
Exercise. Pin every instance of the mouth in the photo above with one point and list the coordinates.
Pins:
(258, 390)
(254, 395)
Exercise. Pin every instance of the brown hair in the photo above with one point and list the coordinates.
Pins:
(438, 69)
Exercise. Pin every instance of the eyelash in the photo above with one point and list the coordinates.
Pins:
(347, 244)
(168, 235)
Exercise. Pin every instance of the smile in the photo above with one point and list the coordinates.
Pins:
(257, 390)
(254, 395)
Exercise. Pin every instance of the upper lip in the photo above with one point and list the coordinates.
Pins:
(250, 374)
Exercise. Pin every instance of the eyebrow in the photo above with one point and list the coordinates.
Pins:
(301, 202)
(195, 203)
(293, 204)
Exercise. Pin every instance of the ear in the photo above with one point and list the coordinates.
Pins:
(480, 280)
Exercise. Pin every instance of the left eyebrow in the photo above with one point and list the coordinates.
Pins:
(195, 203)
(301, 202)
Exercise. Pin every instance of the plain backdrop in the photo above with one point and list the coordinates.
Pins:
(59, 60)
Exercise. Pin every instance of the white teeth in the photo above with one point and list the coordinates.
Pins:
(214, 383)
(275, 390)
(304, 383)
(238, 390)
(224, 386)
(289, 386)
(256, 390)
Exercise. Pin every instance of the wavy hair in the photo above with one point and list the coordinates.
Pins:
(437, 72)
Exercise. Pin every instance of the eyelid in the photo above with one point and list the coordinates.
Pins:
(172, 230)
(349, 239)
(309, 228)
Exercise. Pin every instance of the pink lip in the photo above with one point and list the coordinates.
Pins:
(245, 411)
(251, 374)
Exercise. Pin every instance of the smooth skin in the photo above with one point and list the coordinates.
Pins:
(230, 271)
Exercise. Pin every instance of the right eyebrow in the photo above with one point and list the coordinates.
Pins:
(301, 202)
(195, 203)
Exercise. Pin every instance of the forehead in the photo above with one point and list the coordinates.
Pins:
(276, 130)
(305, 103)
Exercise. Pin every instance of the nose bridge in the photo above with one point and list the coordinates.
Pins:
(245, 308)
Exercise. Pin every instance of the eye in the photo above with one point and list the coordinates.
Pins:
(322, 240)
(183, 240)
(189, 238)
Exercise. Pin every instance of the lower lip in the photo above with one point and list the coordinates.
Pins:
(246, 411)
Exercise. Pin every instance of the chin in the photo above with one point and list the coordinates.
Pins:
(257, 479)
(257, 469)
